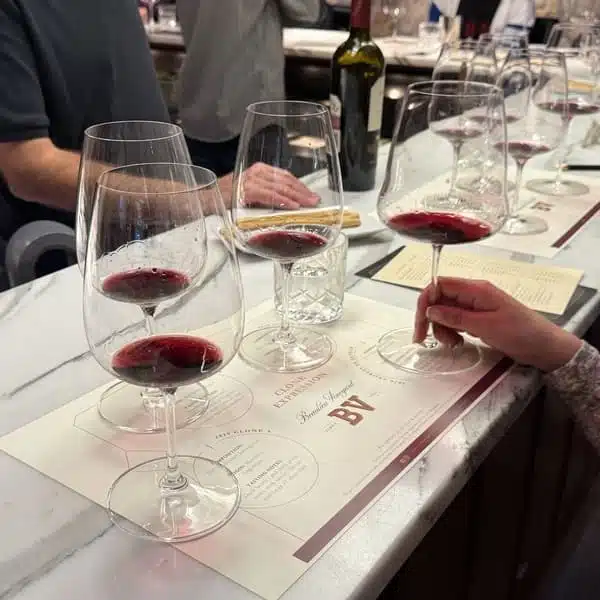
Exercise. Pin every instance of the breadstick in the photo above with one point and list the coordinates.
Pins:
(325, 217)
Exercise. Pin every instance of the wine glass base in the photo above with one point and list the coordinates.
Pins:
(450, 202)
(474, 184)
(260, 349)
(524, 225)
(429, 358)
(124, 407)
(140, 507)
(565, 187)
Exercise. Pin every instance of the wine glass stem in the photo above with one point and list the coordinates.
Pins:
(563, 152)
(173, 479)
(517, 203)
(285, 336)
(151, 397)
(456, 147)
(430, 342)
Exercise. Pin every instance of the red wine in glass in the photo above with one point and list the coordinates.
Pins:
(286, 244)
(572, 108)
(484, 119)
(522, 151)
(145, 287)
(439, 228)
(459, 135)
(167, 361)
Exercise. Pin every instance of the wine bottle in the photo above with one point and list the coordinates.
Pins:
(356, 100)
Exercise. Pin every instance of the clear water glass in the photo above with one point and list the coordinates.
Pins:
(316, 287)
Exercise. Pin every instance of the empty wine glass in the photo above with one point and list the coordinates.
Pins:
(466, 60)
(393, 10)
(106, 146)
(535, 90)
(286, 235)
(147, 247)
(504, 44)
(575, 43)
(414, 176)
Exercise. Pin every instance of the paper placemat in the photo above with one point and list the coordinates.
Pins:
(544, 288)
(312, 451)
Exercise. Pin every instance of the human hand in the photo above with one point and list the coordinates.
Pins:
(486, 312)
(269, 186)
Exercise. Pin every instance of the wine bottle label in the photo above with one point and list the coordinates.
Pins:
(376, 105)
(335, 108)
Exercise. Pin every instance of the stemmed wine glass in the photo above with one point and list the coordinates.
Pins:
(575, 42)
(394, 10)
(535, 90)
(106, 146)
(504, 44)
(465, 60)
(404, 201)
(285, 236)
(147, 247)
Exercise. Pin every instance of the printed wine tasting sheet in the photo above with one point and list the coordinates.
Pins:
(311, 451)
(540, 287)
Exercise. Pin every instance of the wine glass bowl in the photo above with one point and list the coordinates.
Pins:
(414, 177)
(154, 233)
(107, 146)
(281, 232)
(534, 85)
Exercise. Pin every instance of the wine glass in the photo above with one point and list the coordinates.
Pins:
(393, 10)
(106, 146)
(147, 247)
(404, 200)
(576, 43)
(285, 236)
(535, 90)
(504, 44)
(466, 60)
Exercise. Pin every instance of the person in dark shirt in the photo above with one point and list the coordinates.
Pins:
(66, 65)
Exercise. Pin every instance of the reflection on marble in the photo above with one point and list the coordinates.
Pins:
(55, 542)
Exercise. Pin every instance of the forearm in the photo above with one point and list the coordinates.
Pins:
(44, 174)
(578, 384)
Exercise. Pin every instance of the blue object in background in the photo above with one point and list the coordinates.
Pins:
(434, 13)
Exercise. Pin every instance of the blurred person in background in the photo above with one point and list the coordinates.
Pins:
(65, 66)
(234, 57)
(480, 16)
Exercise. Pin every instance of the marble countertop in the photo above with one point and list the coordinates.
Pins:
(320, 44)
(55, 542)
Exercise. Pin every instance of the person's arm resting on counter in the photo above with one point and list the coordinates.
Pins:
(33, 167)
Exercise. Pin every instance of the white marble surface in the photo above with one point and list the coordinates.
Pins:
(56, 543)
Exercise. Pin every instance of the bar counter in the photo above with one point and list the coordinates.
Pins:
(481, 481)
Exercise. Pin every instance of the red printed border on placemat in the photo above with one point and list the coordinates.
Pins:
(343, 517)
(565, 237)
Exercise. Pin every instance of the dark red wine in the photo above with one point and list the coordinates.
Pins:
(459, 134)
(145, 286)
(484, 120)
(439, 227)
(523, 151)
(167, 360)
(287, 244)
(574, 109)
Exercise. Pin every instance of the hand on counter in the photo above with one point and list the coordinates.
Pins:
(486, 312)
(269, 186)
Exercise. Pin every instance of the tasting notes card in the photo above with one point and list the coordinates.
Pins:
(541, 287)
(311, 451)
